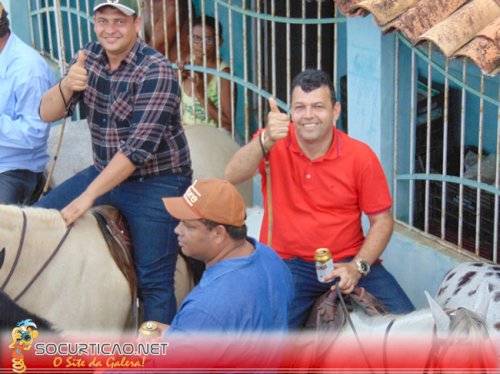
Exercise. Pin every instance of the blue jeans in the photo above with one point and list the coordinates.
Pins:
(151, 229)
(17, 186)
(379, 282)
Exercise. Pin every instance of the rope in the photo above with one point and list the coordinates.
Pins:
(54, 160)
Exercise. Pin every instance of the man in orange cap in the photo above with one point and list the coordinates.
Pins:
(246, 287)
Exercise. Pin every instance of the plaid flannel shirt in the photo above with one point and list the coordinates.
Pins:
(135, 110)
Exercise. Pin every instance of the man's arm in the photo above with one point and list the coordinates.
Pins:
(118, 169)
(376, 240)
(245, 162)
(21, 127)
(53, 105)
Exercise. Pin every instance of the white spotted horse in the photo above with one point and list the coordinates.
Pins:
(461, 285)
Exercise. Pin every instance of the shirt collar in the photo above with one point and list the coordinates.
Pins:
(332, 153)
(130, 58)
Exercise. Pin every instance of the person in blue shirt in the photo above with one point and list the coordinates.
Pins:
(246, 287)
(24, 77)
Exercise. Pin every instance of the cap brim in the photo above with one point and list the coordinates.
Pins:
(125, 10)
(178, 208)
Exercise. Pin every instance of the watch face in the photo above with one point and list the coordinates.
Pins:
(363, 267)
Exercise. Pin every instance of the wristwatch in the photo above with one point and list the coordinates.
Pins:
(363, 267)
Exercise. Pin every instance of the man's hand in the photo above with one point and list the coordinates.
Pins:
(348, 275)
(77, 208)
(278, 124)
(77, 77)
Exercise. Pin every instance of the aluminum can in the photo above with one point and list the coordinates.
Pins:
(149, 330)
(324, 263)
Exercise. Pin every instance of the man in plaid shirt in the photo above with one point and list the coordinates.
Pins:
(131, 98)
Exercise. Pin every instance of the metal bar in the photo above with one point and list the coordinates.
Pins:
(428, 139)
(462, 157)
(80, 28)
(303, 42)
(70, 26)
(231, 63)
(152, 23)
(49, 26)
(89, 28)
(497, 186)
(204, 48)
(166, 46)
(452, 78)
(479, 163)
(445, 152)
(40, 32)
(449, 179)
(217, 64)
(59, 34)
(32, 31)
(396, 127)
(277, 19)
(259, 68)
(191, 58)
(413, 108)
(335, 49)
(318, 39)
(245, 76)
(288, 98)
(273, 48)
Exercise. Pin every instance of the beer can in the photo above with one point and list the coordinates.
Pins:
(149, 330)
(324, 263)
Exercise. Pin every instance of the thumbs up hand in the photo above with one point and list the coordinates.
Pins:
(77, 77)
(277, 123)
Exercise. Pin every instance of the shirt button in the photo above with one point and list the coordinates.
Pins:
(308, 176)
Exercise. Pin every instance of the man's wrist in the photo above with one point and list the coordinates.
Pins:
(362, 266)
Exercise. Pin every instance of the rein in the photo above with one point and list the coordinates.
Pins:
(18, 255)
(432, 356)
(348, 317)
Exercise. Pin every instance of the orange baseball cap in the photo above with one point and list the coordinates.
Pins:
(216, 200)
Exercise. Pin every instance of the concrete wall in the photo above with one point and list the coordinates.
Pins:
(19, 18)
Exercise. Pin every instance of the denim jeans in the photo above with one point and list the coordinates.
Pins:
(151, 229)
(379, 282)
(17, 186)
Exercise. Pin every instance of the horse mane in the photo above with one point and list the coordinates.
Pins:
(467, 323)
(47, 216)
(13, 313)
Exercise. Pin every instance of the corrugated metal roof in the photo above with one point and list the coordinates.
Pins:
(459, 28)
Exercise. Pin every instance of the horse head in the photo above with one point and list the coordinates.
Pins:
(461, 335)
(447, 323)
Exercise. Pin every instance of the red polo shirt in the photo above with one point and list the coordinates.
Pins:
(319, 203)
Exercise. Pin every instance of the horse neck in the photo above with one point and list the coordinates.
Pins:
(420, 321)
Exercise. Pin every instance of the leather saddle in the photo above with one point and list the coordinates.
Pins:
(115, 231)
(328, 315)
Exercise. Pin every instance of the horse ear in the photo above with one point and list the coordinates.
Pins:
(482, 300)
(2, 257)
(441, 319)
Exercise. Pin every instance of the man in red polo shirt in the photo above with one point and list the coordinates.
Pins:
(322, 181)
